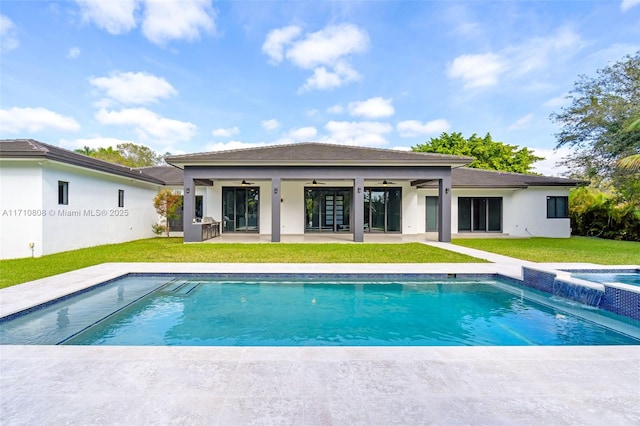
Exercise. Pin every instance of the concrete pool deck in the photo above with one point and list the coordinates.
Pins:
(585, 385)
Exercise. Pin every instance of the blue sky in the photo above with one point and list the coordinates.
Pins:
(192, 76)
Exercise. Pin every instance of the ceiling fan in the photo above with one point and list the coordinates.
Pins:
(244, 183)
(314, 183)
(386, 182)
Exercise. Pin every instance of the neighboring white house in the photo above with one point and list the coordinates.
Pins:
(53, 200)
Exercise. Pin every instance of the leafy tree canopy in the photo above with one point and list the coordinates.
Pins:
(601, 122)
(127, 154)
(488, 154)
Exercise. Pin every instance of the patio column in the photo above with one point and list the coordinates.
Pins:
(276, 194)
(192, 233)
(358, 210)
(444, 209)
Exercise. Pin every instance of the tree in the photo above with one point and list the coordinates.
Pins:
(601, 122)
(85, 151)
(632, 162)
(167, 203)
(127, 154)
(109, 154)
(488, 154)
(139, 155)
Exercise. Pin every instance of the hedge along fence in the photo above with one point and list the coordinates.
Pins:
(598, 214)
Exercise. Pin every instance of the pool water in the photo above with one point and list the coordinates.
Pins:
(202, 311)
(631, 278)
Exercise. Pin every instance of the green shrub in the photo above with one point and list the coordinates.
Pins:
(600, 214)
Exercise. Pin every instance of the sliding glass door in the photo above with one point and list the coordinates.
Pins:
(479, 214)
(241, 209)
(382, 209)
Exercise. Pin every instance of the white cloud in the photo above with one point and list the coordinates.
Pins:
(549, 166)
(161, 20)
(372, 108)
(276, 41)
(480, 70)
(522, 122)
(32, 120)
(148, 125)
(326, 52)
(226, 146)
(270, 125)
(628, 4)
(73, 52)
(336, 109)
(131, 88)
(328, 46)
(540, 53)
(94, 143)
(558, 101)
(327, 80)
(8, 34)
(303, 133)
(536, 54)
(226, 133)
(360, 133)
(116, 17)
(166, 20)
(413, 128)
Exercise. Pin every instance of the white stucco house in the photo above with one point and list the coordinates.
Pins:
(53, 200)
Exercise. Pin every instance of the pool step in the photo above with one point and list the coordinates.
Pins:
(180, 287)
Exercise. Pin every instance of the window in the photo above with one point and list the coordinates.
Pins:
(120, 197)
(557, 207)
(63, 192)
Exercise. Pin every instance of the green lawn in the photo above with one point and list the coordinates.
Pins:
(574, 249)
(173, 250)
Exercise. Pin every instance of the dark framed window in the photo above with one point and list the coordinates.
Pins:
(557, 207)
(63, 192)
(120, 197)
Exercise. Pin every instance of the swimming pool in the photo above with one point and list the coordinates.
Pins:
(185, 310)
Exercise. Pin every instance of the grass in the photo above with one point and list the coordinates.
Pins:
(17, 271)
(574, 249)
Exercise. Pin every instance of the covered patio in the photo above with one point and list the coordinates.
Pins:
(280, 176)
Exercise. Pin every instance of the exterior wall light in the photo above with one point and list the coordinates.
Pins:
(187, 190)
